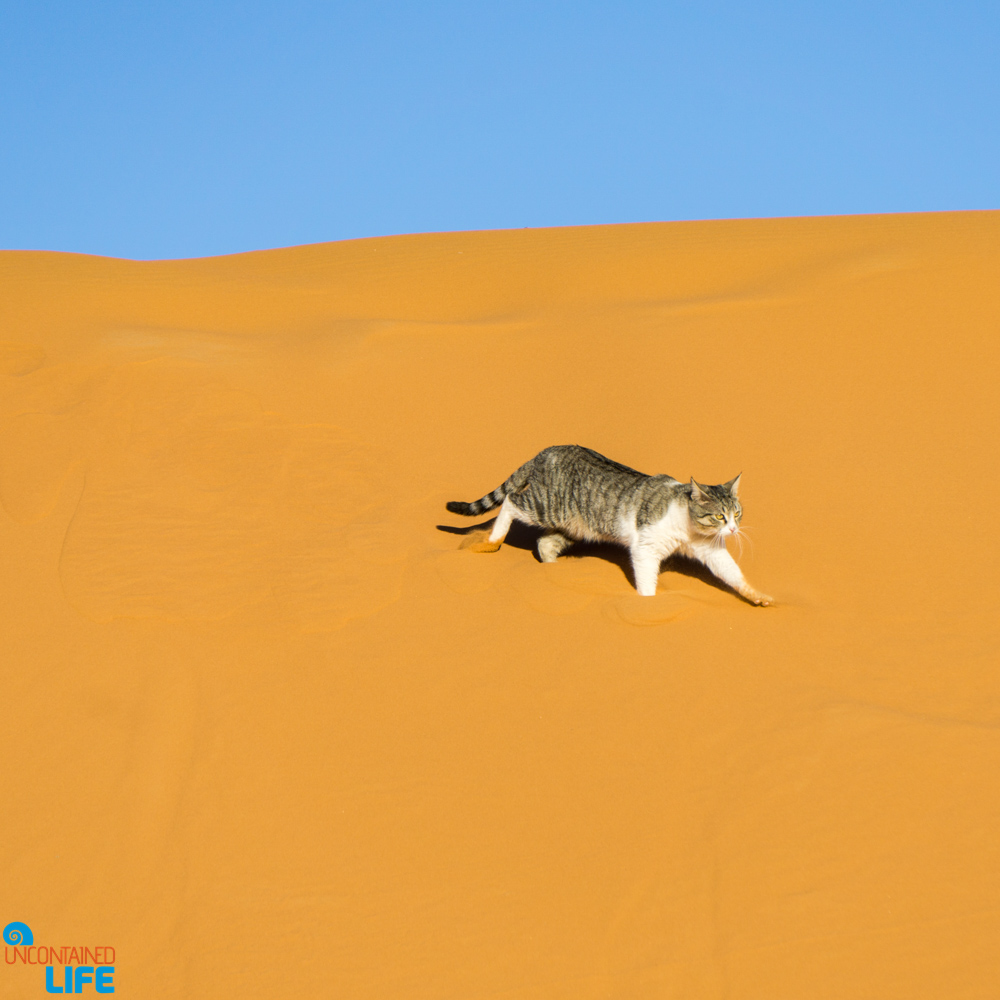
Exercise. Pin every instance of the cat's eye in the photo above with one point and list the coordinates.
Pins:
(720, 517)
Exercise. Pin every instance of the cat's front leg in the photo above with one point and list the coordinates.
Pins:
(724, 566)
(645, 569)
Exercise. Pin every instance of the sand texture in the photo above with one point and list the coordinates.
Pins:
(269, 731)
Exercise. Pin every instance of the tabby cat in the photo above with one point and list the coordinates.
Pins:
(573, 493)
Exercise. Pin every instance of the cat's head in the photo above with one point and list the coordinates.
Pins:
(716, 510)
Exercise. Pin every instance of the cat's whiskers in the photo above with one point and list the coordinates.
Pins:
(741, 534)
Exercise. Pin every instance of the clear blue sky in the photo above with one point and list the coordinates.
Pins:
(151, 129)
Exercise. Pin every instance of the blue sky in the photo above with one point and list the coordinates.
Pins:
(187, 129)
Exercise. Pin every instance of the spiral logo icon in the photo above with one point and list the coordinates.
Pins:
(17, 933)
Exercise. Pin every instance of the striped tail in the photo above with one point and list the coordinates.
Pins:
(491, 501)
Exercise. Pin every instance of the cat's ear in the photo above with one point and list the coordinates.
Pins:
(733, 486)
(697, 490)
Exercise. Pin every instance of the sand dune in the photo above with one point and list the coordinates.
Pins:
(270, 729)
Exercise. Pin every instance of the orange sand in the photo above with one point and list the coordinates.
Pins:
(268, 732)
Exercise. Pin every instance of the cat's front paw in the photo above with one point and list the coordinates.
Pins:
(755, 596)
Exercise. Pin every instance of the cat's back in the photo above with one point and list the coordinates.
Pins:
(583, 464)
(580, 491)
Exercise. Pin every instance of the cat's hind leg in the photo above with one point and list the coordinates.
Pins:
(503, 522)
(500, 528)
(551, 545)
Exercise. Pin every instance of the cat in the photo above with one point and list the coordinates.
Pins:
(573, 493)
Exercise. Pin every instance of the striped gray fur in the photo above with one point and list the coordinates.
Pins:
(514, 483)
(574, 493)
(568, 487)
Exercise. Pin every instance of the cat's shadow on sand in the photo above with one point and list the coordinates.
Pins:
(523, 536)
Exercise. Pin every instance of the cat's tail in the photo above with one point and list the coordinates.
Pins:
(517, 482)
